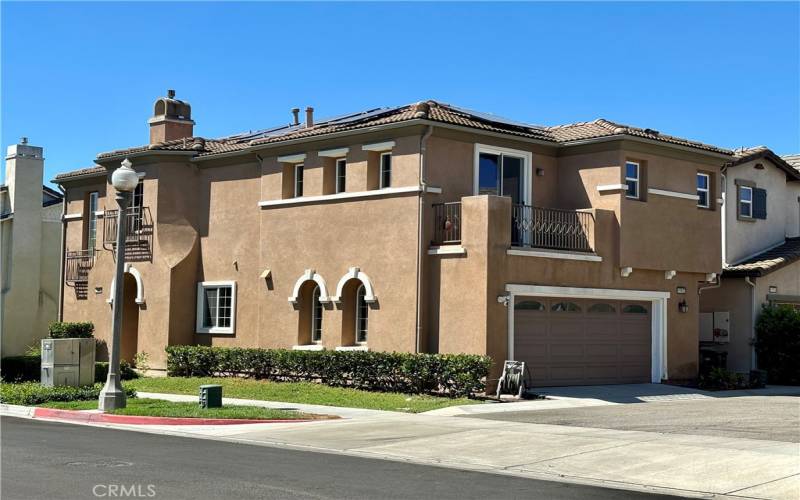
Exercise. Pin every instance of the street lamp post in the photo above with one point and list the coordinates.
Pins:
(124, 180)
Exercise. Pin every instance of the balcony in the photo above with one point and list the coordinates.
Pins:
(530, 227)
(77, 264)
(447, 224)
(551, 228)
(138, 234)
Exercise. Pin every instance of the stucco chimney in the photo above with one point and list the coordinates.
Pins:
(309, 117)
(172, 119)
(296, 115)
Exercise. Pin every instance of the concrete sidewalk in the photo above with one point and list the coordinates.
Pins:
(695, 466)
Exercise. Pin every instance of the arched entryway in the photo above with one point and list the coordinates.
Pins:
(130, 320)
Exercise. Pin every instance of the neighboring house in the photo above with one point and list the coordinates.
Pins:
(30, 249)
(422, 228)
(761, 252)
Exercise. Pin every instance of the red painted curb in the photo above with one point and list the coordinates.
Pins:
(84, 416)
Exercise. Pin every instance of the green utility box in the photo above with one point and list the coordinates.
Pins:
(211, 396)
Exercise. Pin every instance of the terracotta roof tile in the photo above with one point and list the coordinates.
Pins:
(767, 261)
(793, 160)
(83, 172)
(429, 110)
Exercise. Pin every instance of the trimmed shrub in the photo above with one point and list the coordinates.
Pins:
(454, 375)
(20, 368)
(69, 330)
(31, 393)
(125, 370)
(778, 344)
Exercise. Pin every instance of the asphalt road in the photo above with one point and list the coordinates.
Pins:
(47, 460)
(770, 418)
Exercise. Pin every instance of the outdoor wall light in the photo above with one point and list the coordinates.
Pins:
(683, 306)
(503, 299)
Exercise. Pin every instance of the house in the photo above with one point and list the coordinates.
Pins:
(760, 249)
(30, 250)
(420, 228)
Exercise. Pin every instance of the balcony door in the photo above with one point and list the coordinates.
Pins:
(503, 172)
(506, 172)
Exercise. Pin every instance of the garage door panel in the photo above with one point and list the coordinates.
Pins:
(569, 341)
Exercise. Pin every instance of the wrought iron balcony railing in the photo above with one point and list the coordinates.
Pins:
(77, 264)
(138, 232)
(447, 223)
(551, 228)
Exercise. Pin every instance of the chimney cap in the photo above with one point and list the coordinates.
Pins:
(171, 93)
(23, 140)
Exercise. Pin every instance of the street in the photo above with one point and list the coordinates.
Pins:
(54, 461)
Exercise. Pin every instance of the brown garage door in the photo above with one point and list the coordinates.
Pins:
(582, 341)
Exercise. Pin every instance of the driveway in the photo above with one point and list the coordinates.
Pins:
(770, 418)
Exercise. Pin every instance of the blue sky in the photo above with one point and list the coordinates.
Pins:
(81, 78)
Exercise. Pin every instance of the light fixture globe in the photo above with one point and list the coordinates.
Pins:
(124, 178)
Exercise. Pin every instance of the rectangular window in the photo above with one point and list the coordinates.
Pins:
(703, 191)
(502, 173)
(298, 180)
(137, 207)
(745, 202)
(216, 306)
(91, 235)
(386, 170)
(632, 179)
(341, 175)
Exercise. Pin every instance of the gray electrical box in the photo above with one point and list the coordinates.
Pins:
(68, 362)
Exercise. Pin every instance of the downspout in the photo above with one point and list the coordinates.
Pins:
(420, 229)
(63, 255)
(723, 212)
(752, 322)
(701, 289)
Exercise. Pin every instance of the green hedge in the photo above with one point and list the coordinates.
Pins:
(28, 369)
(778, 344)
(31, 393)
(453, 375)
(69, 330)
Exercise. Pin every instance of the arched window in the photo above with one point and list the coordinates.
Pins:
(316, 317)
(529, 305)
(634, 309)
(565, 307)
(602, 307)
(362, 315)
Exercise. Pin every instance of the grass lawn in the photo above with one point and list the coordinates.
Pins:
(298, 392)
(159, 408)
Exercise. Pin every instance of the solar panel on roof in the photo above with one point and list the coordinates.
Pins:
(495, 118)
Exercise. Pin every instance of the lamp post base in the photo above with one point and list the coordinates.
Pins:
(112, 396)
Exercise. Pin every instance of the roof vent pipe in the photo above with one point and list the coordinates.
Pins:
(296, 114)
(309, 117)
(171, 94)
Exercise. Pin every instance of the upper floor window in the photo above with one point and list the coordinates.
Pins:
(216, 304)
(137, 207)
(298, 180)
(362, 315)
(745, 202)
(316, 317)
(632, 179)
(341, 175)
(386, 170)
(503, 172)
(91, 233)
(703, 190)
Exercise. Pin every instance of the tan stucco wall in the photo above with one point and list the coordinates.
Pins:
(735, 296)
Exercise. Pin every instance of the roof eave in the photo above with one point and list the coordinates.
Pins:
(139, 154)
(78, 177)
(646, 140)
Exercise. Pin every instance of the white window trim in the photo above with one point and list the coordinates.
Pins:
(296, 167)
(380, 170)
(527, 169)
(199, 317)
(333, 153)
(378, 146)
(706, 190)
(374, 193)
(672, 194)
(658, 315)
(747, 202)
(298, 158)
(636, 180)
(339, 163)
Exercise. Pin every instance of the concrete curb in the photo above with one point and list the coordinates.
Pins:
(93, 417)
(16, 411)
